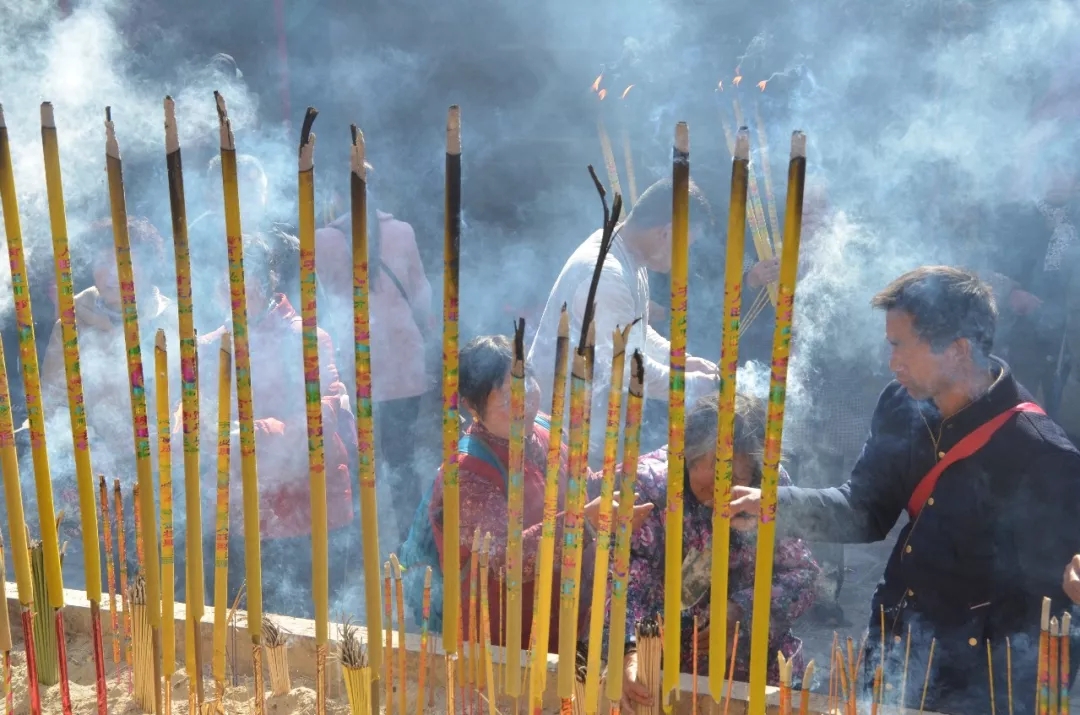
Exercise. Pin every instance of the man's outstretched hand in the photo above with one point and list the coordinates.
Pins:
(745, 507)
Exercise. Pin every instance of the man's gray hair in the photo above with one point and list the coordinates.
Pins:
(703, 418)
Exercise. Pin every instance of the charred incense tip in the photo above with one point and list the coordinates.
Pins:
(564, 323)
(519, 347)
(48, 121)
(395, 565)
(682, 138)
(228, 143)
(742, 145)
(648, 627)
(1045, 614)
(618, 339)
(453, 130)
(637, 374)
(353, 653)
(272, 634)
(226, 342)
(359, 150)
(159, 340)
(798, 145)
(3, 124)
(112, 147)
(172, 137)
(581, 663)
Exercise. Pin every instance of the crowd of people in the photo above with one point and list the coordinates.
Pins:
(974, 439)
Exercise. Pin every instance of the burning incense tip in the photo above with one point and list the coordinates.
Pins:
(112, 148)
(358, 162)
(307, 140)
(742, 145)
(626, 91)
(47, 119)
(762, 83)
(682, 138)
(601, 94)
(159, 339)
(224, 125)
(798, 145)
(596, 82)
(736, 80)
(453, 130)
(1045, 614)
(172, 138)
(720, 85)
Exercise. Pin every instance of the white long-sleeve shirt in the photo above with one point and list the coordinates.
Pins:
(622, 296)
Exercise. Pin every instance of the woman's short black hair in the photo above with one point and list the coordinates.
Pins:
(482, 368)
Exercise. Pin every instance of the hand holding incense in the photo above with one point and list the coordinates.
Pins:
(365, 431)
(725, 435)
(766, 533)
(137, 389)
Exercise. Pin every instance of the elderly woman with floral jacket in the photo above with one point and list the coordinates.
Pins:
(794, 566)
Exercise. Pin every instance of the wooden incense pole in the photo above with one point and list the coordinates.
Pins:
(541, 626)
(24, 319)
(9, 461)
(221, 527)
(673, 534)
(84, 473)
(515, 513)
(451, 487)
(165, 492)
(766, 532)
(485, 623)
(356, 670)
(189, 395)
(725, 434)
(591, 702)
(244, 397)
(137, 388)
(365, 430)
(624, 531)
(45, 642)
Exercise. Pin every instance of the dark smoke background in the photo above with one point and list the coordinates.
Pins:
(919, 114)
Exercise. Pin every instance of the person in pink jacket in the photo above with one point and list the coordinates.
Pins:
(401, 323)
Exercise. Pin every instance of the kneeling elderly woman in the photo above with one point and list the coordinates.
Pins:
(794, 566)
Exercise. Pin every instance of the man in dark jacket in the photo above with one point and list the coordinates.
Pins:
(986, 541)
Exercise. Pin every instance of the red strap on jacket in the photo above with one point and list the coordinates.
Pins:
(963, 449)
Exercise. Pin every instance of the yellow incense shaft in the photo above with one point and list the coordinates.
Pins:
(242, 356)
(221, 542)
(770, 475)
(729, 362)
(9, 461)
(762, 239)
(24, 318)
(603, 530)
(673, 537)
(541, 629)
(369, 512)
(5, 622)
(168, 581)
(583, 470)
(84, 472)
(514, 510)
(320, 550)
(485, 625)
(572, 529)
(451, 487)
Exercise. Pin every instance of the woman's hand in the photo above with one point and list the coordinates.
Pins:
(745, 507)
(633, 692)
(641, 512)
(763, 272)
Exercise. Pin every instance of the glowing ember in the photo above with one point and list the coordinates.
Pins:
(735, 81)
(720, 85)
(602, 93)
(762, 83)
(596, 82)
(627, 91)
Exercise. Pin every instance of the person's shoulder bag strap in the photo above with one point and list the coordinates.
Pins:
(963, 449)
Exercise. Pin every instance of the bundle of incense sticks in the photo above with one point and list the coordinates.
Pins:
(84, 473)
(141, 645)
(277, 657)
(189, 385)
(785, 683)
(725, 434)
(221, 532)
(356, 670)
(649, 649)
(48, 665)
(5, 642)
(581, 675)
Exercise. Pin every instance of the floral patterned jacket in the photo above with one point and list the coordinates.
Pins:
(793, 575)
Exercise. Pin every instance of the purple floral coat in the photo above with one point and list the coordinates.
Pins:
(794, 571)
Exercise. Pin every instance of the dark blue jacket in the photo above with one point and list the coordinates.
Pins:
(990, 543)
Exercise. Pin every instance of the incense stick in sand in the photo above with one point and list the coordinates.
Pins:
(356, 670)
(649, 646)
(141, 645)
(277, 656)
(221, 538)
(110, 556)
(121, 545)
(400, 597)
(5, 642)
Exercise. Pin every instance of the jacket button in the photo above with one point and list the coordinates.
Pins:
(972, 642)
(930, 501)
(907, 549)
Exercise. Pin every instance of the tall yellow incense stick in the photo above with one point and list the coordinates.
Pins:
(624, 530)
(485, 624)
(221, 541)
(673, 537)
(541, 628)
(244, 406)
(759, 647)
(451, 490)
(168, 581)
(189, 386)
(369, 512)
(603, 531)
(320, 548)
(20, 551)
(514, 509)
(84, 473)
(24, 318)
(766, 175)
(725, 436)
(140, 426)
